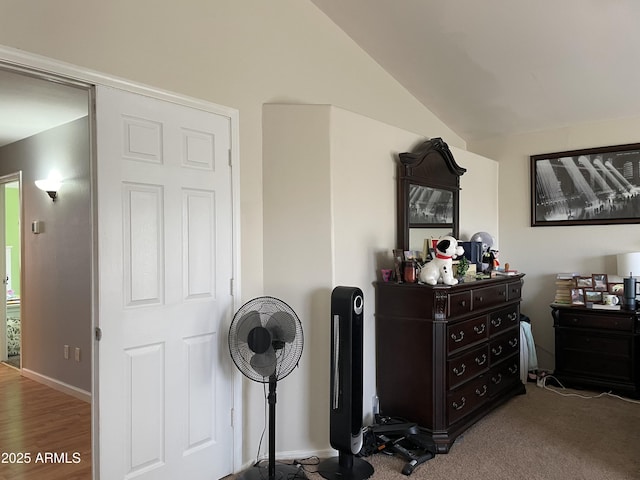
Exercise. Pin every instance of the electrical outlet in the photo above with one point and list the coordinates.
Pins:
(66, 352)
(77, 354)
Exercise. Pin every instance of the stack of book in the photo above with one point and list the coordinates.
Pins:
(564, 283)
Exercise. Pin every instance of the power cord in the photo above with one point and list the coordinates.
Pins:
(544, 380)
(264, 429)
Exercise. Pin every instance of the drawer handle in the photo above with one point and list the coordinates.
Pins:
(461, 406)
(497, 351)
(479, 329)
(496, 322)
(462, 303)
(463, 367)
(457, 339)
(513, 368)
(482, 360)
(513, 342)
(497, 380)
(512, 316)
(480, 299)
(483, 392)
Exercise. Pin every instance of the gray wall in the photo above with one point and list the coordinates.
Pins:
(56, 264)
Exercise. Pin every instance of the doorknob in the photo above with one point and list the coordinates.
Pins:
(6, 280)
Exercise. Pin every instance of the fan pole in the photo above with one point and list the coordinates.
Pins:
(272, 426)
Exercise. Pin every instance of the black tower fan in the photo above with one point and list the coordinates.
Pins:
(347, 312)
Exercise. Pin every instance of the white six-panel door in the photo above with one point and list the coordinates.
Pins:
(165, 266)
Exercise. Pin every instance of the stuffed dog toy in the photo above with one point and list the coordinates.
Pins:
(440, 269)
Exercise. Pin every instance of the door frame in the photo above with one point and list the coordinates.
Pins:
(48, 68)
(15, 177)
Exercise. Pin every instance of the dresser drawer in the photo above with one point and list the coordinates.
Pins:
(504, 346)
(598, 342)
(489, 296)
(504, 376)
(600, 321)
(594, 365)
(465, 333)
(514, 291)
(466, 366)
(459, 303)
(503, 319)
(467, 398)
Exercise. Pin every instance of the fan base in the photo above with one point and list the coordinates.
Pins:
(335, 468)
(283, 472)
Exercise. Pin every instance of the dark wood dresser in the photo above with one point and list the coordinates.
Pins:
(447, 355)
(597, 348)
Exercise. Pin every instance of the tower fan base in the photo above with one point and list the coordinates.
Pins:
(283, 472)
(345, 467)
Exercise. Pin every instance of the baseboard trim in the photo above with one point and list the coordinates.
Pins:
(57, 385)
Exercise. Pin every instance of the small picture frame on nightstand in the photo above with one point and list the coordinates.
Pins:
(592, 296)
(577, 296)
(584, 282)
(600, 282)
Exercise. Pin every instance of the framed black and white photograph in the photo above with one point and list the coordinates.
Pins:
(596, 186)
(429, 207)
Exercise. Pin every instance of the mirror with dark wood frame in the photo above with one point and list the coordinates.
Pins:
(428, 194)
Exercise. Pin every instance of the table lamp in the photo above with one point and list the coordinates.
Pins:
(628, 268)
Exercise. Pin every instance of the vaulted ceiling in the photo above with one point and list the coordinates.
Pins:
(500, 67)
(484, 67)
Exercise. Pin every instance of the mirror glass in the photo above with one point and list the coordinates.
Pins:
(429, 206)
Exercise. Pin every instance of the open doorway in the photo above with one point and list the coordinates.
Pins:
(47, 319)
(10, 239)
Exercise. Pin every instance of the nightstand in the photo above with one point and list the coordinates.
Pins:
(597, 349)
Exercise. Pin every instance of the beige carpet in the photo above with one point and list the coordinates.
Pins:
(537, 436)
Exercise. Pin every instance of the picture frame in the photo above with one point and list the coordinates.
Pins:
(584, 282)
(577, 296)
(593, 296)
(616, 288)
(586, 187)
(600, 283)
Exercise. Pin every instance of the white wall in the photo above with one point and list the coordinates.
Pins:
(330, 216)
(478, 194)
(240, 54)
(541, 252)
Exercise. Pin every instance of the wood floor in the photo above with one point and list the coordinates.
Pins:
(49, 431)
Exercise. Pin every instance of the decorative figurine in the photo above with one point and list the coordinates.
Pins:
(440, 269)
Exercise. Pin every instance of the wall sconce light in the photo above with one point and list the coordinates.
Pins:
(51, 185)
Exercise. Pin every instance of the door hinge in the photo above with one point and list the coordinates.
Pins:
(230, 156)
(232, 418)
(98, 333)
(231, 286)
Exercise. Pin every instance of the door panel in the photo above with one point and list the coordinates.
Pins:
(165, 265)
